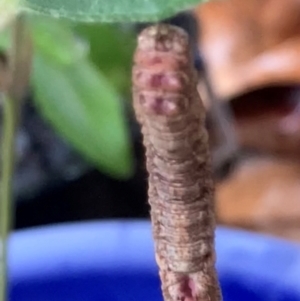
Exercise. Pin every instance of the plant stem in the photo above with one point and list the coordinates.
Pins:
(8, 143)
(19, 73)
(20, 61)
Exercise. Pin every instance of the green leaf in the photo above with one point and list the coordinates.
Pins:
(111, 50)
(109, 10)
(84, 108)
(57, 41)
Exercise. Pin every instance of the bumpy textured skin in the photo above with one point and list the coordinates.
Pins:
(181, 195)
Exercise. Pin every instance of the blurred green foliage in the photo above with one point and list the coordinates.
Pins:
(111, 49)
(80, 77)
(82, 70)
(8, 10)
(4, 40)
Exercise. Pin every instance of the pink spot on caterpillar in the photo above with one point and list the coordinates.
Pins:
(173, 81)
(155, 60)
(167, 82)
(158, 105)
(188, 290)
(157, 80)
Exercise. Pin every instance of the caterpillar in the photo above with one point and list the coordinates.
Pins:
(180, 187)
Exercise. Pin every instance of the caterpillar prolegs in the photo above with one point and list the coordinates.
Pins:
(171, 114)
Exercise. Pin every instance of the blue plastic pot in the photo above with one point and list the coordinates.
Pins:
(114, 261)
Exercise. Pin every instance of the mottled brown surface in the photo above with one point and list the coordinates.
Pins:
(180, 186)
(253, 46)
(249, 44)
(268, 121)
(262, 195)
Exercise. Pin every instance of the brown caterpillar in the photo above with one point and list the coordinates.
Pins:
(172, 117)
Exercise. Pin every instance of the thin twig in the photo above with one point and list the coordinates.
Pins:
(7, 164)
(11, 98)
(20, 61)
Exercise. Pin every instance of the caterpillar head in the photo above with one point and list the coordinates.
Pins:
(164, 38)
